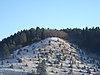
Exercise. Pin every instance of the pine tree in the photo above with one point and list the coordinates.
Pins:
(88, 71)
(23, 38)
(33, 72)
(41, 69)
(5, 53)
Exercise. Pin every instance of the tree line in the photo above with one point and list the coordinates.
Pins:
(27, 37)
(86, 38)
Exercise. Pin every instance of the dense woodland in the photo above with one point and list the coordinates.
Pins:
(86, 38)
(26, 37)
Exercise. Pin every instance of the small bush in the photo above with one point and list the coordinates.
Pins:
(19, 60)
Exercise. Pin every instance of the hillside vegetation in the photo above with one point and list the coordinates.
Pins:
(26, 37)
(51, 56)
(86, 38)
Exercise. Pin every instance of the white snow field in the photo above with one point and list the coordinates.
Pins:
(61, 58)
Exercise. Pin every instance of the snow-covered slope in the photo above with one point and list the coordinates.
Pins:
(60, 56)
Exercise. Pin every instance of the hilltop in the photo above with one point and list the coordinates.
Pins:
(86, 38)
(51, 56)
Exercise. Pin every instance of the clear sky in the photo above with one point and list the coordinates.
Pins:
(16, 15)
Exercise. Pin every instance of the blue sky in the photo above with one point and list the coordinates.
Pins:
(16, 15)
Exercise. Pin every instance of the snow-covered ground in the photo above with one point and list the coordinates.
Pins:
(61, 58)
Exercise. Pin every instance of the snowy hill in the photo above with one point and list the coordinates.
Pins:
(52, 56)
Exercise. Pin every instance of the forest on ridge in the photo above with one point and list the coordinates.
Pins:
(86, 38)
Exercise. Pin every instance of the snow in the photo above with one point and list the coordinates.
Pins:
(60, 55)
